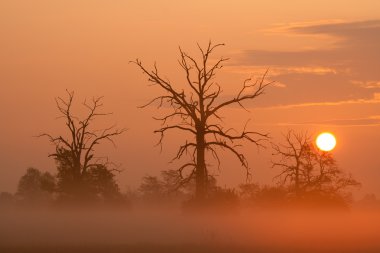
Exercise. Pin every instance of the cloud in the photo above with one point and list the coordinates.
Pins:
(279, 85)
(348, 71)
(282, 70)
(357, 42)
(356, 122)
(285, 27)
(375, 100)
(367, 84)
(376, 95)
(363, 31)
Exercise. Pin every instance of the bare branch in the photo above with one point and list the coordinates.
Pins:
(258, 86)
(81, 139)
(193, 109)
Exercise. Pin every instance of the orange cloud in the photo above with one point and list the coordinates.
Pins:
(283, 70)
(370, 121)
(374, 100)
(367, 84)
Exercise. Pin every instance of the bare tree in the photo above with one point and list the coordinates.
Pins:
(197, 112)
(75, 154)
(328, 177)
(306, 169)
(291, 160)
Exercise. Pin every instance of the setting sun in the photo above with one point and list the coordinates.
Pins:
(326, 141)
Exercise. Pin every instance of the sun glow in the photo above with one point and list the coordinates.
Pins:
(326, 141)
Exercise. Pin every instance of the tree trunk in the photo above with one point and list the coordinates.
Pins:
(200, 171)
(297, 186)
(297, 179)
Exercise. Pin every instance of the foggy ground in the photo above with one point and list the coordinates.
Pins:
(170, 230)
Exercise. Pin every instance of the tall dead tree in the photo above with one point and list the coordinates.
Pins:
(197, 112)
(75, 151)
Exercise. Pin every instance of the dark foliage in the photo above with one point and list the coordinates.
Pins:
(82, 175)
(36, 186)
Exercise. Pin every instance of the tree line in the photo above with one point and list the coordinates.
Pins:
(305, 172)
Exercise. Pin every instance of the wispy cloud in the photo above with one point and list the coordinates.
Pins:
(356, 42)
(337, 28)
(281, 28)
(282, 70)
(375, 100)
(355, 122)
(347, 72)
(367, 84)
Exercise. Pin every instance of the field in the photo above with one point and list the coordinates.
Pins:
(169, 230)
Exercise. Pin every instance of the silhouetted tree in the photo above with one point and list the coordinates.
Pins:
(75, 154)
(265, 196)
(168, 186)
(151, 188)
(174, 182)
(248, 191)
(101, 183)
(197, 112)
(223, 197)
(292, 159)
(36, 185)
(310, 172)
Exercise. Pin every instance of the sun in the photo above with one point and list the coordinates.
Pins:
(326, 141)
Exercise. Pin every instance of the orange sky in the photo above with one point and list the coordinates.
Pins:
(324, 56)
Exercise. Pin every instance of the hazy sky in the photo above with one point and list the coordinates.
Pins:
(323, 55)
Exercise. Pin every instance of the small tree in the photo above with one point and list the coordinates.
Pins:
(197, 112)
(75, 154)
(152, 188)
(102, 184)
(36, 185)
(262, 196)
(309, 171)
(166, 187)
